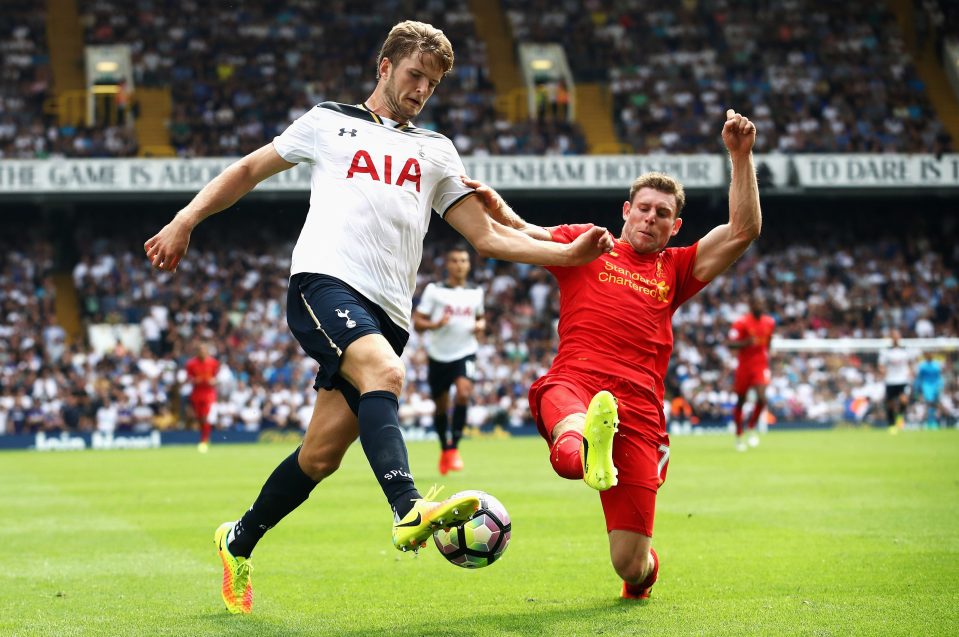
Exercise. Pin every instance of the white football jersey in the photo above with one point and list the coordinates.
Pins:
(897, 362)
(373, 185)
(457, 338)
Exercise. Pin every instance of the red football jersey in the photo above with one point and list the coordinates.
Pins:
(616, 312)
(202, 373)
(753, 357)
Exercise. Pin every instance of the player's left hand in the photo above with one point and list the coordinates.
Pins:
(590, 245)
(739, 134)
(490, 198)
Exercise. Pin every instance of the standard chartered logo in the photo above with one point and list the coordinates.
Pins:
(617, 275)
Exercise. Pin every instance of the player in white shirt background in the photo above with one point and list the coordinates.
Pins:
(895, 364)
(375, 178)
(451, 311)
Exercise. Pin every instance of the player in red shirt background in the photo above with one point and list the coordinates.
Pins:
(615, 340)
(751, 335)
(201, 370)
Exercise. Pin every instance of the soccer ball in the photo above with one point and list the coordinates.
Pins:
(479, 541)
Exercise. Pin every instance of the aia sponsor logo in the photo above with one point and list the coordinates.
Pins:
(363, 164)
(452, 311)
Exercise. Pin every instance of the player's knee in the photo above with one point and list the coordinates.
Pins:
(386, 375)
(392, 376)
(319, 463)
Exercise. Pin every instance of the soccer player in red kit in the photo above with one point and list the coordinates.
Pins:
(751, 335)
(600, 406)
(202, 370)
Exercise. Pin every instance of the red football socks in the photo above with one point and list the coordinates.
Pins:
(565, 457)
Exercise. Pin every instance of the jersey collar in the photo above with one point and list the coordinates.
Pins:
(385, 121)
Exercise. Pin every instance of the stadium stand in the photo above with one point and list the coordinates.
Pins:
(27, 131)
(671, 72)
(229, 292)
(238, 77)
(31, 340)
(817, 77)
(24, 81)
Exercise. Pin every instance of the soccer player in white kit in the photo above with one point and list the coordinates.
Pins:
(452, 312)
(375, 179)
(895, 363)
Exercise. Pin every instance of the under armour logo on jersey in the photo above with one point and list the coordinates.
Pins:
(352, 132)
(350, 323)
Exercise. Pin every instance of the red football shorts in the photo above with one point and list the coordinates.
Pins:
(747, 377)
(202, 403)
(640, 448)
(629, 508)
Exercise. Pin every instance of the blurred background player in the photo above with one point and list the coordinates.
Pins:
(452, 311)
(201, 370)
(928, 387)
(615, 342)
(751, 334)
(894, 365)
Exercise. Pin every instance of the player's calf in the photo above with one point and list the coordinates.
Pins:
(645, 587)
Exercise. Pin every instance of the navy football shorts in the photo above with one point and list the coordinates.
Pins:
(326, 315)
(442, 375)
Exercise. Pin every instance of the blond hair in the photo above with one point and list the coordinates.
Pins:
(409, 38)
(661, 182)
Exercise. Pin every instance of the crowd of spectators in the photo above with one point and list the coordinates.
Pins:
(239, 74)
(24, 81)
(229, 293)
(31, 339)
(814, 76)
(29, 126)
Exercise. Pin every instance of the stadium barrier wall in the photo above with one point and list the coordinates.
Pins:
(849, 345)
(83, 441)
(132, 178)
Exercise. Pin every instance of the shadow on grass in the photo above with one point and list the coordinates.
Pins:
(614, 617)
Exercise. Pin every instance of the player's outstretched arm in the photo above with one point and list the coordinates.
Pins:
(423, 323)
(167, 247)
(501, 212)
(724, 244)
(495, 240)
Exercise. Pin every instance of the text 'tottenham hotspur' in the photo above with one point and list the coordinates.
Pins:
(621, 276)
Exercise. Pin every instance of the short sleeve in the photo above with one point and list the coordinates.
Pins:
(684, 260)
(450, 189)
(297, 143)
(568, 233)
(427, 301)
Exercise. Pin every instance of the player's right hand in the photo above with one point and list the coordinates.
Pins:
(167, 247)
(591, 244)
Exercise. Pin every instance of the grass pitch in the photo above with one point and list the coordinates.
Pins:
(826, 533)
